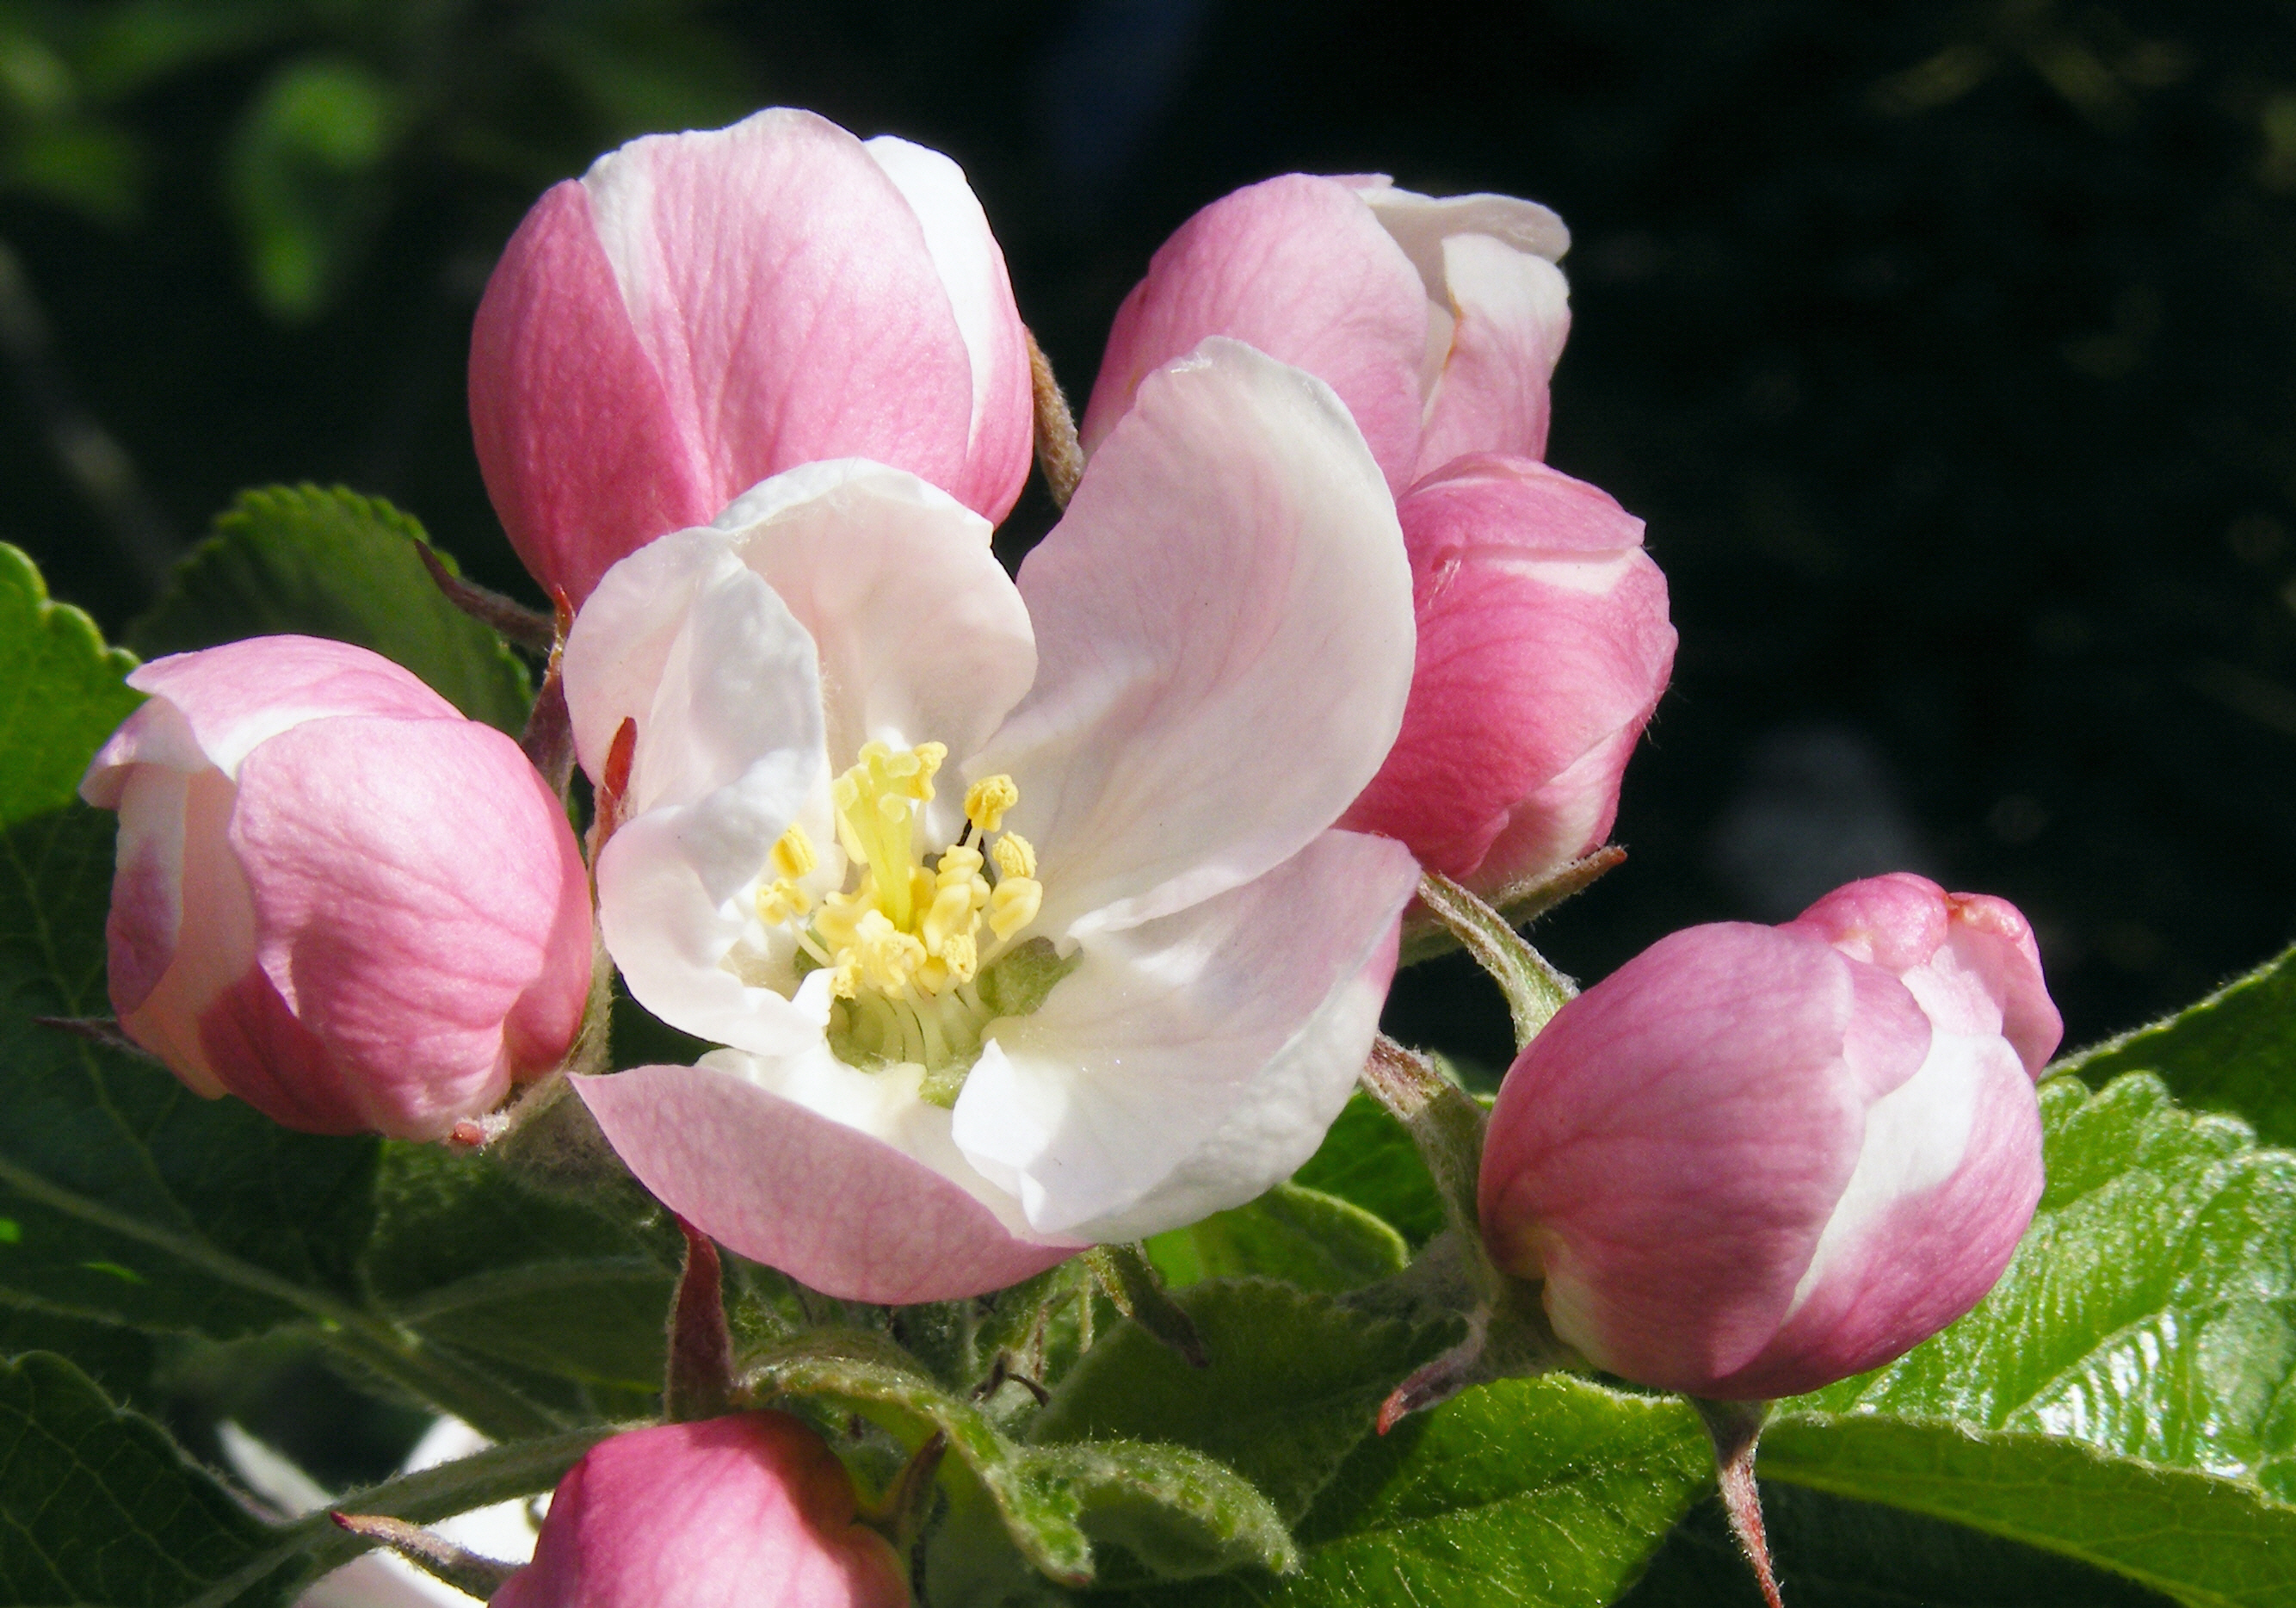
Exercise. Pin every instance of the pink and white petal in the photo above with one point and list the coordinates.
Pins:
(1297, 268)
(1665, 1153)
(147, 893)
(212, 706)
(835, 1208)
(1512, 314)
(403, 970)
(981, 293)
(584, 456)
(163, 1014)
(1224, 642)
(1421, 224)
(1993, 938)
(1190, 1062)
(784, 288)
(1569, 816)
(1946, 1182)
(922, 636)
(1542, 634)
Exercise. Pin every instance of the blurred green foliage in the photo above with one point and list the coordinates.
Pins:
(339, 102)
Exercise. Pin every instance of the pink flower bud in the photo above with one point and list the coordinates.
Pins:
(336, 897)
(752, 1510)
(700, 311)
(1438, 320)
(1543, 636)
(1543, 646)
(1756, 1159)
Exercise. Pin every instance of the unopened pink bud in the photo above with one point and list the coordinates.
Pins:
(336, 897)
(752, 1510)
(700, 311)
(1544, 644)
(1756, 1159)
(1543, 641)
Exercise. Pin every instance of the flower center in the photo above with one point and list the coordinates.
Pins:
(914, 975)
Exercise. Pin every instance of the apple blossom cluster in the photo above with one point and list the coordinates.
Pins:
(1037, 913)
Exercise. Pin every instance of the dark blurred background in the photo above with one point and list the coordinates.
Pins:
(1948, 349)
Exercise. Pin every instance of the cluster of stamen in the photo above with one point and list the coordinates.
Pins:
(904, 949)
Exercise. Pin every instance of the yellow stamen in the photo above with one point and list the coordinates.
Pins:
(1014, 905)
(987, 800)
(1014, 856)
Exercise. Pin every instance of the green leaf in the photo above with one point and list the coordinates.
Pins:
(465, 1253)
(2234, 1051)
(1295, 1381)
(2202, 1540)
(333, 564)
(1167, 1512)
(1317, 1240)
(1368, 1158)
(61, 691)
(119, 1359)
(97, 1507)
(1836, 1553)
(2124, 1395)
(1547, 1493)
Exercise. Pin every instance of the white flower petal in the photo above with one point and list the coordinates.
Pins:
(1190, 1062)
(922, 636)
(622, 638)
(729, 754)
(1225, 642)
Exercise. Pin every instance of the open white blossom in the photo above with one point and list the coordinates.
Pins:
(1019, 906)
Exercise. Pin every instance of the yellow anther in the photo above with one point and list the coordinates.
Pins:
(957, 865)
(987, 800)
(961, 955)
(887, 956)
(1014, 856)
(793, 857)
(1014, 905)
(781, 901)
(952, 913)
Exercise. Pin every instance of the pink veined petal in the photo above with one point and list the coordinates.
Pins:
(432, 979)
(1668, 1150)
(1191, 1062)
(1512, 314)
(834, 1208)
(786, 293)
(210, 708)
(971, 264)
(147, 903)
(584, 456)
(1224, 643)
(1541, 637)
(1298, 267)
(1946, 1182)
(183, 818)
(751, 1510)
(1568, 817)
(922, 636)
